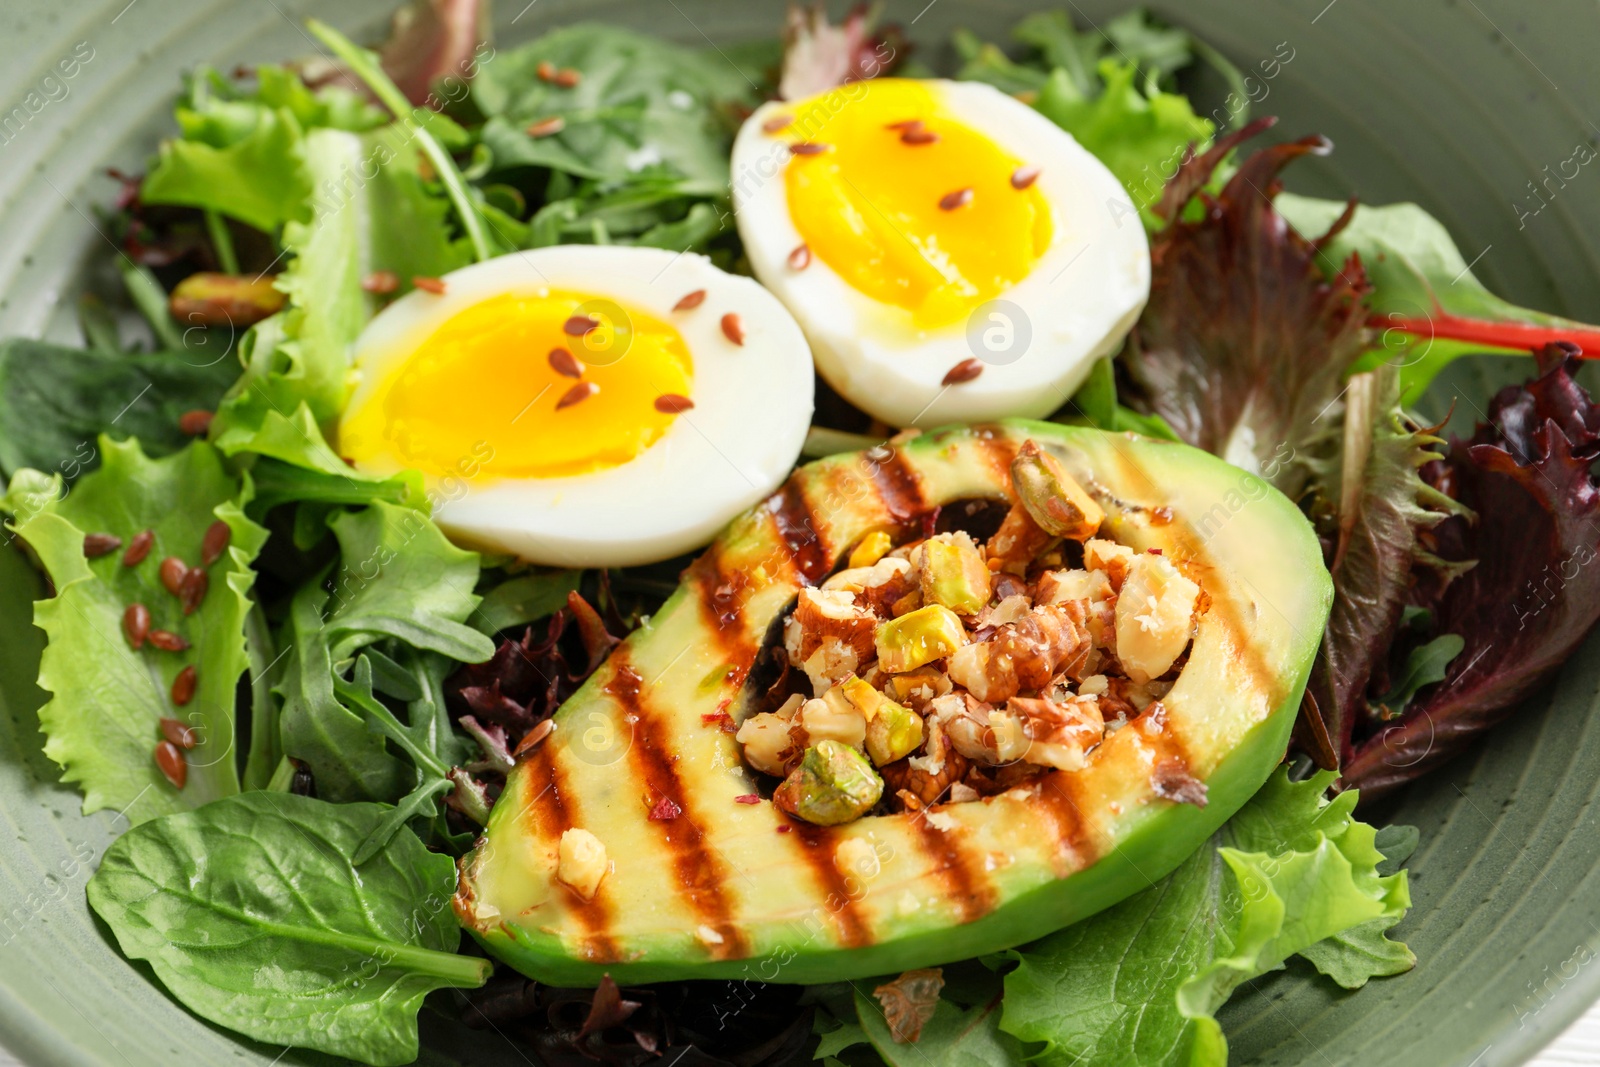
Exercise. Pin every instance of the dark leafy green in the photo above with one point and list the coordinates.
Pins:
(55, 401)
(253, 914)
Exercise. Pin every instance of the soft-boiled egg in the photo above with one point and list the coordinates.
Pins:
(950, 253)
(583, 405)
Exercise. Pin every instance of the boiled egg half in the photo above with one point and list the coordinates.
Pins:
(951, 254)
(583, 405)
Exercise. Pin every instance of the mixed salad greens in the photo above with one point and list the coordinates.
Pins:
(355, 687)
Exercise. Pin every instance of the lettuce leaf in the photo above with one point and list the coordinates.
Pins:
(1244, 347)
(54, 401)
(107, 701)
(1141, 138)
(243, 153)
(373, 212)
(1430, 307)
(1291, 873)
(1528, 476)
(1382, 509)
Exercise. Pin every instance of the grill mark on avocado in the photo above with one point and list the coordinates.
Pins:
(700, 877)
(999, 449)
(1058, 795)
(966, 884)
(897, 483)
(797, 530)
(817, 846)
(722, 595)
(549, 817)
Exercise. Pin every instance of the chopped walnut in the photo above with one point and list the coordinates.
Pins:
(926, 777)
(964, 670)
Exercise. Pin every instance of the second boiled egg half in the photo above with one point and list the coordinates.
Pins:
(951, 254)
(583, 405)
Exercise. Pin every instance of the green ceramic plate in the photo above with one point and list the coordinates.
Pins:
(1458, 105)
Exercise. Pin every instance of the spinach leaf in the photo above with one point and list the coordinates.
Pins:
(643, 106)
(54, 401)
(252, 913)
(108, 699)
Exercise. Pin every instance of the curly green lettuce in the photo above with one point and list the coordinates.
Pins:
(103, 720)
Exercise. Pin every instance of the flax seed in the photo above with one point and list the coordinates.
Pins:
(577, 395)
(964, 371)
(136, 624)
(169, 757)
(733, 328)
(195, 423)
(96, 545)
(956, 199)
(565, 363)
(139, 548)
(690, 301)
(673, 404)
(215, 542)
(167, 641)
(172, 571)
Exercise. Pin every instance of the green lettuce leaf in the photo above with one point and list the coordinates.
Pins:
(1428, 306)
(1291, 873)
(372, 211)
(253, 914)
(54, 401)
(107, 701)
(243, 153)
(964, 1031)
(398, 578)
(1140, 136)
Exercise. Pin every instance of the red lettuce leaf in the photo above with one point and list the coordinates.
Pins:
(1244, 344)
(818, 56)
(1528, 474)
(1374, 543)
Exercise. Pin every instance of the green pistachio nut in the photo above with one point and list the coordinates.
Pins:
(955, 575)
(1052, 497)
(931, 632)
(834, 784)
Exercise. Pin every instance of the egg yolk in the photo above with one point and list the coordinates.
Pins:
(525, 379)
(907, 204)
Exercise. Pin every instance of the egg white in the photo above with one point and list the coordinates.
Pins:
(1079, 300)
(752, 408)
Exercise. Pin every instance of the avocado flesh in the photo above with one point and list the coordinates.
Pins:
(731, 889)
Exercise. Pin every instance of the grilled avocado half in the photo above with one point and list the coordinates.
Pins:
(719, 883)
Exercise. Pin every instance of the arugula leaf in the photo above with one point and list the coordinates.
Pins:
(523, 599)
(643, 106)
(398, 578)
(1291, 873)
(103, 719)
(1425, 298)
(347, 761)
(1425, 665)
(54, 401)
(252, 914)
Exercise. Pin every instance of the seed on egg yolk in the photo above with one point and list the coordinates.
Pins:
(922, 217)
(484, 383)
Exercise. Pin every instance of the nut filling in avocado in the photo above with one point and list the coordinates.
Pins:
(948, 668)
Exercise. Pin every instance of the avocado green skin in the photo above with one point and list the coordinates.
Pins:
(1146, 841)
